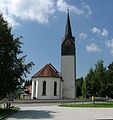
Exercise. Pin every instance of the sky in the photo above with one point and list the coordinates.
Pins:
(42, 24)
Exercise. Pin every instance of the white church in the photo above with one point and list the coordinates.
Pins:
(48, 83)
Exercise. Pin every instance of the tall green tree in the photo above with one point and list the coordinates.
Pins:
(84, 89)
(109, 82)
(100, 78)
(79, 82)
(27, 83)
(90, 83)
(99, 81)
(12, 67)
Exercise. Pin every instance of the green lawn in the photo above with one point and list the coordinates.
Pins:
(4, 111)
(95, 105)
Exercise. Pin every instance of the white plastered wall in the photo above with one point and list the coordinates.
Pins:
(49, 88)
(68, 74)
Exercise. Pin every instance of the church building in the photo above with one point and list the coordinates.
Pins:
(48, 83)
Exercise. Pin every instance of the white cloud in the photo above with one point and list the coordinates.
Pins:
(63, 6)
(95, 30)
(109, 44)
(37, 10)
(93, 48)
(87, 9)
(84, 10)
(82, 36)
(100, 32)
(111, 51)
(104, 33)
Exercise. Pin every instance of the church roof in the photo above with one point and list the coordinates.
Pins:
(68, 44)
(68, 32)
(47, 71)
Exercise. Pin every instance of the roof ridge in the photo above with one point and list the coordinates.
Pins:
(47, 71)
(48, 66)
(39, 71)
(53, 67)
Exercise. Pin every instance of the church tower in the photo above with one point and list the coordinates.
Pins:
(68, 62)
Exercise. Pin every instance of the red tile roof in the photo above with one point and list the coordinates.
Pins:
(47, 71)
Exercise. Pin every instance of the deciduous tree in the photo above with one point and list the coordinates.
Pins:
(12, 67)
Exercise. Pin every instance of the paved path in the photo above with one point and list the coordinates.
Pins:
(61, 113)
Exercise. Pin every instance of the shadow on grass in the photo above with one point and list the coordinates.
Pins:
(32, 114)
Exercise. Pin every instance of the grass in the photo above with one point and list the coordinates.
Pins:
(91, 105)
(6, 111)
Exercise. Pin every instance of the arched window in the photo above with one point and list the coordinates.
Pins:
(55, 88)
(44, 88)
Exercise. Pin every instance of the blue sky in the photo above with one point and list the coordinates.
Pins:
(42, 25)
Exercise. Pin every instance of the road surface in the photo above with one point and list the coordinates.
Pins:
(49, 112)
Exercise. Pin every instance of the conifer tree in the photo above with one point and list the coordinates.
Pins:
(84, 89)
(79, 82)
(90, 83)
(109, 82)
(100, 78)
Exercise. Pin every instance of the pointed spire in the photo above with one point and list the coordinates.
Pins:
(68, 31)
